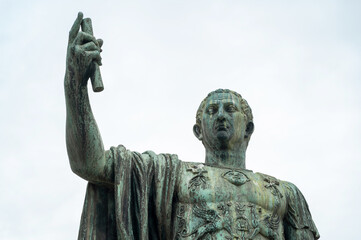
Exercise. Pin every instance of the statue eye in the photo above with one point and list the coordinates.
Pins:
(212, 110)
(231, 108)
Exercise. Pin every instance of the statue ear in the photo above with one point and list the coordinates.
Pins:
(197, 132)
(249, 129)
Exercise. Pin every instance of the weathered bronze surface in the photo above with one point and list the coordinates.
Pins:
(149, 196)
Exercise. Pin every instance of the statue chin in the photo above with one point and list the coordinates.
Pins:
(223, 136)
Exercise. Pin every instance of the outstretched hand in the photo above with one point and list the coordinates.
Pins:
(83, 49)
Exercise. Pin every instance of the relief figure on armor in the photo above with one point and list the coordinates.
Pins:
(133, 195)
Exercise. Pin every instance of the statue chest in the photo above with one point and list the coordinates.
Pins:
(200, 183)
(228, 204)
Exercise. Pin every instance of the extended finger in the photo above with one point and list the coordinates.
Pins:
(83, 37)
(90, 46)
(76, 26)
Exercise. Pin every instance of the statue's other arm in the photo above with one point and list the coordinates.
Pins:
(298, 222)
(84, 143)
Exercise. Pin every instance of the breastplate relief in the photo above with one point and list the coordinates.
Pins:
(199, 179)
(226, 220)
(216, 203)
(235, 177)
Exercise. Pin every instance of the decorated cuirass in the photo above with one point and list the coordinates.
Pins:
(223, 203)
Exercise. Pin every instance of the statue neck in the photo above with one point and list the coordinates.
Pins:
(226, 158)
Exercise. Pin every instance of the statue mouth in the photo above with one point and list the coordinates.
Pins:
(222, 127)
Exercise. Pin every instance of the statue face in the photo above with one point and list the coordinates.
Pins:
(223, 124)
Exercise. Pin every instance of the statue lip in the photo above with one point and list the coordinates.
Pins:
(221, 127)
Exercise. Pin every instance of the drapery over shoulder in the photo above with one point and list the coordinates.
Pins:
(138, 205)
(298, 222)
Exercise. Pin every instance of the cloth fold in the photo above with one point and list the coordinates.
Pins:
(138, 205)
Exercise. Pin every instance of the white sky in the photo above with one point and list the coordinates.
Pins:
(297, 63)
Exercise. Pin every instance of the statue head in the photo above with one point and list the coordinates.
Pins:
(224, 121)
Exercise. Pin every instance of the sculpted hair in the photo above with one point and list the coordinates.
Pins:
(246, 110)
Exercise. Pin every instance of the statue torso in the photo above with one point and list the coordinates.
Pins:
(221, 203)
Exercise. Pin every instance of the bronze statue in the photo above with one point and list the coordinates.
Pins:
(148, 196)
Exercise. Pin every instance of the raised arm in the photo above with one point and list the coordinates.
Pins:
(84, 143)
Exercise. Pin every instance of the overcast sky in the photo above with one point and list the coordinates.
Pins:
(298, 64)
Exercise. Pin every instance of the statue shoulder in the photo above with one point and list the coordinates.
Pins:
(298, 216)
(123, 157)
(298, 220)
(268, 178)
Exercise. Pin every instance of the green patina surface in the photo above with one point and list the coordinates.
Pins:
(157, 196)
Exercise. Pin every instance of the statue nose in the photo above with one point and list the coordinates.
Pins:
(220, 115)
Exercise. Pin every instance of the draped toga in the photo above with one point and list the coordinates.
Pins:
(141, 202)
